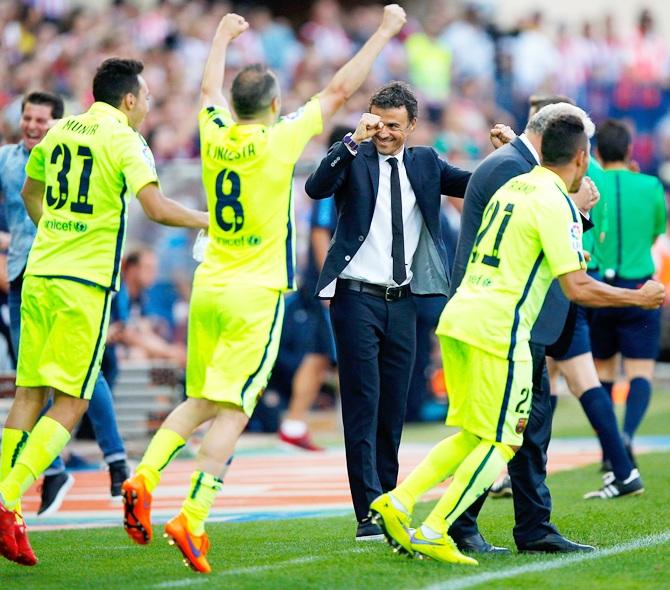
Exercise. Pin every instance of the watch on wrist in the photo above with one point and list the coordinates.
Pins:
(350, 143)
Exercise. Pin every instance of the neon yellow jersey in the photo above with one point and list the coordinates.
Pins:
(530, 234)
(247, 171)
(90, 164)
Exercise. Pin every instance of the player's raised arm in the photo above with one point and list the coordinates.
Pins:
(351, 75)
(211, 90)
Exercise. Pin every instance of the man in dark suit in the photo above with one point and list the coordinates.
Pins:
(387, 247)
(533, 530)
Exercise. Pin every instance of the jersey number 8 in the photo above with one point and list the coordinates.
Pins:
(227, 197)
(81, 205)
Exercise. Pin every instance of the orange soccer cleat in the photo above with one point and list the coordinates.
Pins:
(137, 509)
(193, 548)
(25, 554)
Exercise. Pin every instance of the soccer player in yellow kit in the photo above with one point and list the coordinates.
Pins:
(237, 304)
(530, 234)
(80, 179)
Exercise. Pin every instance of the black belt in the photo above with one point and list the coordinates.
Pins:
(386, 293)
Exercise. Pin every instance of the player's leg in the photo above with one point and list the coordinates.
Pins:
(640, 373)
(245, 326)
(163, 447)
(50, 308)
(582, 379)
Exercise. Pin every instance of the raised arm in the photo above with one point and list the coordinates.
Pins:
(351, 75)
(211, 90)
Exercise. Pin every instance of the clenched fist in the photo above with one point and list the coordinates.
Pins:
(394, 20)
(368, 126)
(232, 25)
(651, 295)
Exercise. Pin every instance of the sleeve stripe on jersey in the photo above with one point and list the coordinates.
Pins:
(95, 360)
(512, 345)
(251, 378)
(120, 239)
(289, 238)
(576, 219)
(215, 120)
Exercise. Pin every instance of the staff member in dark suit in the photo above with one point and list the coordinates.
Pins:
(387, 246)
(533, 530)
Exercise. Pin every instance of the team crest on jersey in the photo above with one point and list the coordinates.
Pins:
(521, 425)
(576, 236)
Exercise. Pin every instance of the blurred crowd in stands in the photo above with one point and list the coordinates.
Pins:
(468, 72)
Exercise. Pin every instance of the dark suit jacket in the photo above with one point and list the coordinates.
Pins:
(502, 165)
(354, 181)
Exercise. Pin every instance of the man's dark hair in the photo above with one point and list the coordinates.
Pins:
(45, 98)
(115, 78)
(562, 139)
(539, 101)
(613, 139)
(394, 95)
(254, 88)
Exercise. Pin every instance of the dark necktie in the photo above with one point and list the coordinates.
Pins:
(398, 242)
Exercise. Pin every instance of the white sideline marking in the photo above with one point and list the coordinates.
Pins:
(192, 581)
(557, 563)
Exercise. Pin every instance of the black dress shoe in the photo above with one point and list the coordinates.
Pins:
(554, 543)
(477, 544)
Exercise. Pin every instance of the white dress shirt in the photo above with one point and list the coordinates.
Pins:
(531, 148)
(373, 262)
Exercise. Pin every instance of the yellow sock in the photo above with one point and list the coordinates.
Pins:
(198, 503)
(438, 465)
(44, 444)
(13, 441)
(472, 478)
(163, 447)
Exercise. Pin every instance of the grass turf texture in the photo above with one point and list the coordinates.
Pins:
(321, 553)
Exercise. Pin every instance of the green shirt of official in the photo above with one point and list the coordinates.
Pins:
(630, 216)
(594, 172)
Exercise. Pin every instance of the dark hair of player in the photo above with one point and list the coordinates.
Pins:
(562, 140)
(254, 88)
(115, 78)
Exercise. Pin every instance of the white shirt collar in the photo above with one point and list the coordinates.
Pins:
(400, 156)
(523, 137)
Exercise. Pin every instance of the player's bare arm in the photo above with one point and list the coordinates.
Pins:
(580, 288)
(351, 75)
(33, 193)
(211, 90)
(168, 212)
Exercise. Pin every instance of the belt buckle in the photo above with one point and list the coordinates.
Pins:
(390, 294)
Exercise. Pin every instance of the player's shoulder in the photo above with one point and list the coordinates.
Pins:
(646, 181)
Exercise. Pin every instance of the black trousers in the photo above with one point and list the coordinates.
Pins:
(376, 342)
(527, 470)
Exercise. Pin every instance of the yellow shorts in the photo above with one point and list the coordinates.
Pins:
(233, 340)
(488, 395)
(63, 332)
